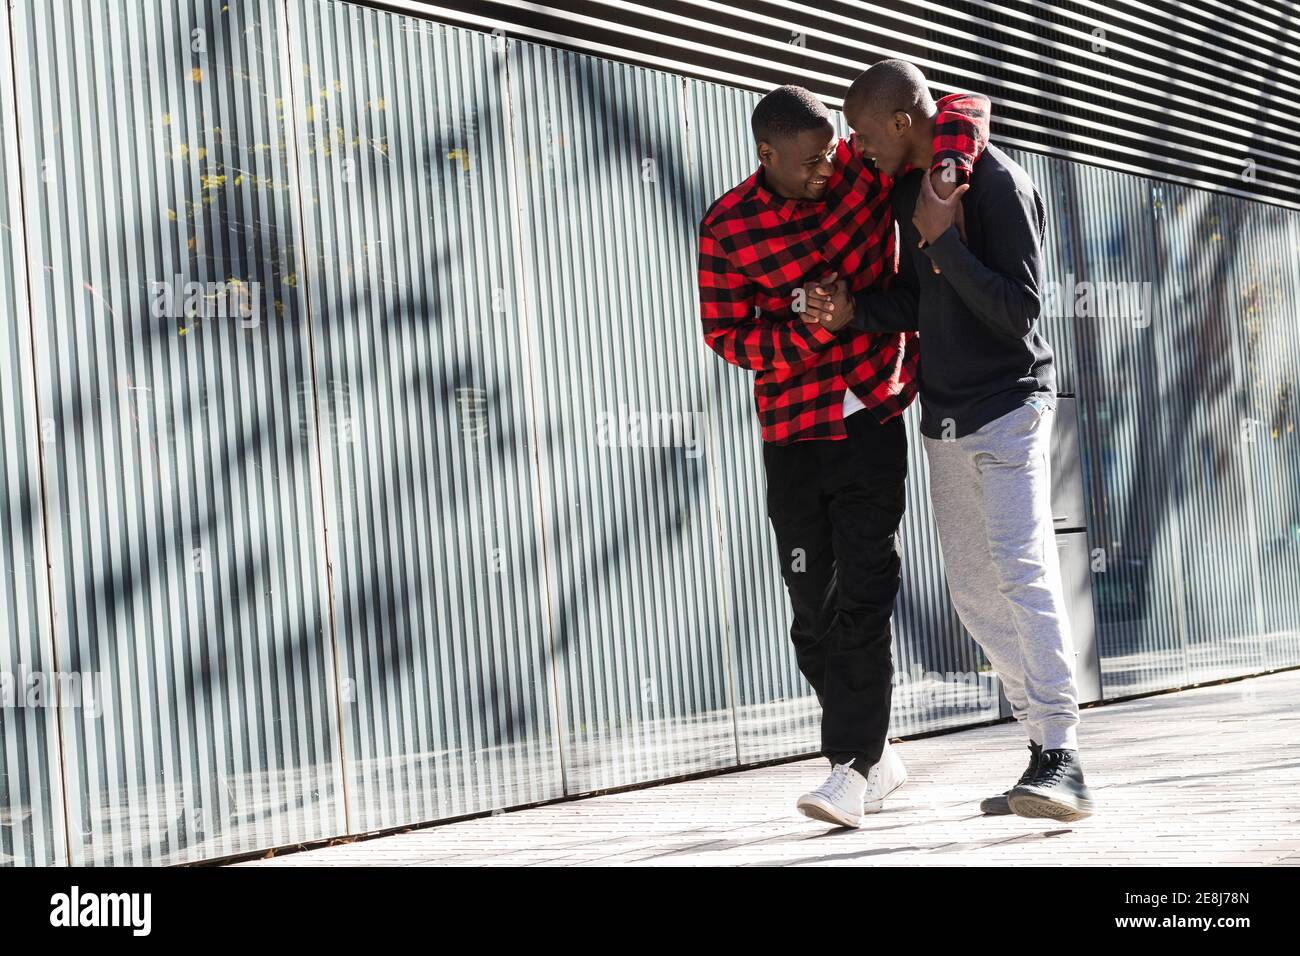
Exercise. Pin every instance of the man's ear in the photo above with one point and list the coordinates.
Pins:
(766, 153)
(902, 122)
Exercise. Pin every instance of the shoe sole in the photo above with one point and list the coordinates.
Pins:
(1040, 807)
(825, 813)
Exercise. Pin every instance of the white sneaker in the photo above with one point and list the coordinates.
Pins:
(884, 777)
(838, 800)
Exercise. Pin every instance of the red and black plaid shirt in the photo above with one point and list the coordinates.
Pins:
(757, 248)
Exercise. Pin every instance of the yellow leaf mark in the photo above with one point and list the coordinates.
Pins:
(167, 119)
(213, 182)
(291, 280)
(171, 215)
(202, 152)
(311, 114)
(183, 330)
(463, 156)
(196, 75)
(239, 180)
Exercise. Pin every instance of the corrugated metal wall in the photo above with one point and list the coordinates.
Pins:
(186, 542)
(427, 435)
(1187, 386)
(468, 517)
(31, 798)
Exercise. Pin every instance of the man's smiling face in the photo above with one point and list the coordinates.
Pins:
(799, 166)
(882, 139)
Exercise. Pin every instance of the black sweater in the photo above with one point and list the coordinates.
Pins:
(982, 353)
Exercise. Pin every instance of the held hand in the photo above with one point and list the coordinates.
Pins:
(827, 303)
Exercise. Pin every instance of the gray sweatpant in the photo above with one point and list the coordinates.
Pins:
(991, 493)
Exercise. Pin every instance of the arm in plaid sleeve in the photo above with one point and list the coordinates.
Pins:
(731, 329)
(961, 131)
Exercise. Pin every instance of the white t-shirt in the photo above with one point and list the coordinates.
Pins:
(851, 403)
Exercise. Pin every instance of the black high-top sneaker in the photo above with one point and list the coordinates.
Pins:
(998, 806)
(1056, 791)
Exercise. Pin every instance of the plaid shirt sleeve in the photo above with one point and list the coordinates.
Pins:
(728, 302)
(961, 131)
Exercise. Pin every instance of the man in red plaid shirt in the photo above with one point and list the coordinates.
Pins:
(829, 399)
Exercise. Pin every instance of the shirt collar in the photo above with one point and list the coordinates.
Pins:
(784, 207)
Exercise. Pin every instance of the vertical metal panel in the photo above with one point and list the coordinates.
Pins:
(608, 252)
(188, 584)
(1112, 284)
(31, 795)
(1265, 289)
(1060, 262)
(1203, 441)
(439, 591)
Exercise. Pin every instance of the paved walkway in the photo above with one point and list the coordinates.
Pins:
(1200, 777)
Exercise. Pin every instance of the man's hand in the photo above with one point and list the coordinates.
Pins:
(934, 215)
(944, 183)
(827, 303)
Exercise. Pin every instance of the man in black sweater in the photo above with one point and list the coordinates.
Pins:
(987, 402)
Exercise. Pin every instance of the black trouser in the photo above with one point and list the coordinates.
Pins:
(835, 507)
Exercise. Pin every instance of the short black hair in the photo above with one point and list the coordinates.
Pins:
(787, 111)
(892, 85)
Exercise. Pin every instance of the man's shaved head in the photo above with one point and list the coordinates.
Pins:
(892, 115)
(787, 111)
(889, 86)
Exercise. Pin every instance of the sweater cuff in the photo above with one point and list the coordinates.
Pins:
(943, 249)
